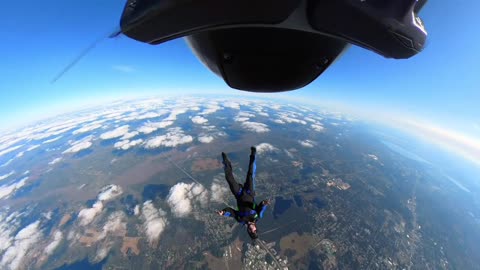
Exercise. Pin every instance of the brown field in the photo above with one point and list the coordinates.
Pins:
(299, 243)
(66, 218)
(130, 243)
(206, 164)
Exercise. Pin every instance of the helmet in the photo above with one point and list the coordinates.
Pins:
(272, 45)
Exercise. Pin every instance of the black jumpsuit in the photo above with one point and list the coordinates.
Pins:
(245, 194)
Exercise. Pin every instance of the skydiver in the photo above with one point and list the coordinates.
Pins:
(248, 212)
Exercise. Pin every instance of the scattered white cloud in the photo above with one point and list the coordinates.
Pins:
(155, 222)
(205, 139)
(109, 192)
(243, 116)
(150, 127)
(255, 127)
(307, 143)
(5, 176)
(87, 215)
(11, 149)
(118, 132)
(55, 161)
(24, 242)
(87, 128)
(126, 144)
(232, 105)
(7, 190)
(199, 120)
(174, 113)
(372, 156)
(241, 119)
(52, 139)
(318, 127)
(286, 118)
(265, 147)
(8, 162)
(77, 147)
(279, 121)
(129, 135)
(115, 225)
(57, 238)
(310, 119)
(174, 137)
(183, 197)
(211, 108)
(33, 147)
(19, 154)
(218, 190)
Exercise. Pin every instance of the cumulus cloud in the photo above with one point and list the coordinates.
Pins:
(174, 113)
(199, 120)
(182, 198)
(52, 140)
(174, 137)
(243, 116)
(255, 127)
(57, 238)
(318, 127)
(22, 246)
(87, 215)
(126, 144)
(77, 147)
(11, 149)
(150, 127)
(118, 132)
(7, 190)
(6, 230)
(265, 147)
(218, 190)
(211, 108)
(5, 176)
(232, 105)
(55, 161)
(109, 192)
(129, 135)
(115, 225)
(155, 222)
(87, 128)
(284, 117)
(33, 147)
(307, 143)
(205, 139)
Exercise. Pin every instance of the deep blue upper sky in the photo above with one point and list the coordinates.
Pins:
(40, 37)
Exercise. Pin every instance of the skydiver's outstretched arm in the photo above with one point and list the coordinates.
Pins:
(228, 212)
(227, 166)
(252, 167)
(260, 209)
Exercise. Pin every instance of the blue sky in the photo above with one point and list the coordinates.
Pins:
(40, 37)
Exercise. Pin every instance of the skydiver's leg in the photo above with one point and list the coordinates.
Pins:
(252, 167)
(227, 166)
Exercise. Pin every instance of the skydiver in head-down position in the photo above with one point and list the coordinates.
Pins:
(248, 212)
